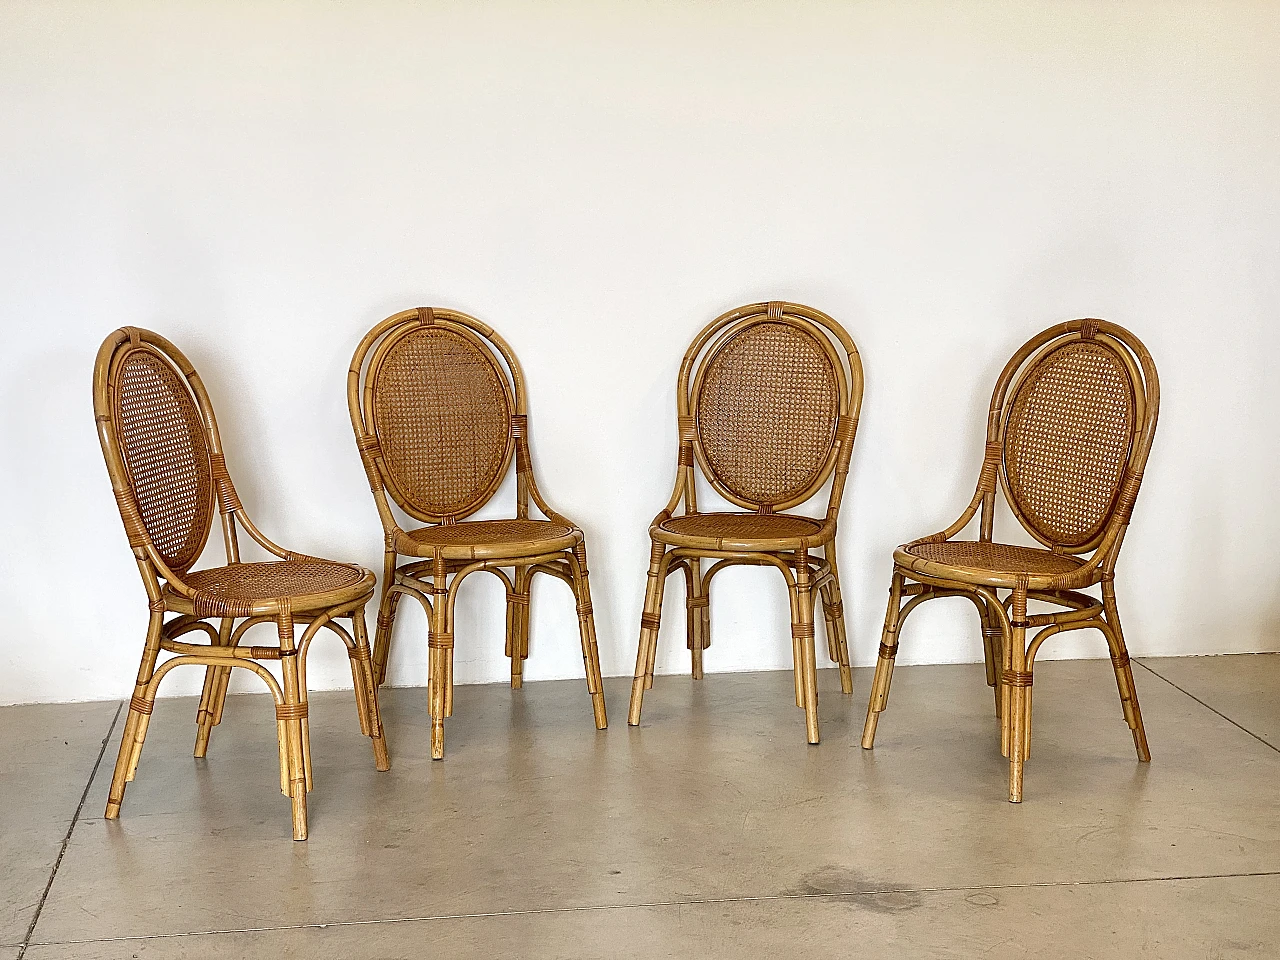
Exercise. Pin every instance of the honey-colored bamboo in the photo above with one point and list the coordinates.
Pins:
(437, 402)
(164, 456)
(767, 401)
(1069, 430)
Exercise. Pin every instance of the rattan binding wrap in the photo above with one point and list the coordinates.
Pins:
(437, 403)
(160, 441)
(1069, 430)
(767, 408)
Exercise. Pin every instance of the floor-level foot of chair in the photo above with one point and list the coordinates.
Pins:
(437, 740)
(869, 730)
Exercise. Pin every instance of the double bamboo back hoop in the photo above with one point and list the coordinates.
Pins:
(768, 399)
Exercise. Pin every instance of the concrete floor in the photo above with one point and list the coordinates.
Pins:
(711, 831)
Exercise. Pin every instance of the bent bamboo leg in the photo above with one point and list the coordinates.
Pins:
(135, 725)
(884, 663)
(1124, 672)
(386, 618)
(833, 609)
(587, 630)
(650, 619)
(802, 633)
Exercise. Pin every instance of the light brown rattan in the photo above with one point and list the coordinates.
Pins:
(1067, 441)
(768, 400)
(165, 455)
(442, 416)
(437, 402)
(160, 441)
(766, 410)
(1069, 430)
(489, 532)
(999, 558)
(742, 526)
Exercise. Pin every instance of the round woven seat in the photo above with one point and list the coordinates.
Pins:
(309, 583)
(746, 531)
(491, 538)
(976, 562)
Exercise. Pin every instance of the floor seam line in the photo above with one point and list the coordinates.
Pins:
(1234, 723)
(695, 901)
(66, 840)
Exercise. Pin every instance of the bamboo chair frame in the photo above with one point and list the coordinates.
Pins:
(448, 548)
(798, 348)
(142, 384)
(1048, 508)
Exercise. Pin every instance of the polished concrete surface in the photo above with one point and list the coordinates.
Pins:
(713, 830)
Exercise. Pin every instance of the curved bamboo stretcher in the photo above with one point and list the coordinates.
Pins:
(163, 453)
(768, 400)
(1068, 433)
(438, 418)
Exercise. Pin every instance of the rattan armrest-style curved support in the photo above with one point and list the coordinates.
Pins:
(437, 403)
(1069, 430)
(767, 405)
(163, 453)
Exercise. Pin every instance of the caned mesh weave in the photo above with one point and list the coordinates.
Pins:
(742, 526)
(999, 558)
(482, 532)
(767, 412)
(1067, 441)
(272, 580)
(443, 421)
(163, 444)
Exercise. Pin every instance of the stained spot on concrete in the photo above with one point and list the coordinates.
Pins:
(981, 900)
(854, 888)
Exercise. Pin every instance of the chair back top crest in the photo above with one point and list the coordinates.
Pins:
(769, 396)
(440, 397)
(1074, 414)
(159, 438)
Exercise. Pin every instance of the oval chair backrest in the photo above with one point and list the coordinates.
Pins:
(1074, 431)
(440, 404)
(153, 421)
(767, 402)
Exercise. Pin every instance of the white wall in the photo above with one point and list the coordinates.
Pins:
(263, 182)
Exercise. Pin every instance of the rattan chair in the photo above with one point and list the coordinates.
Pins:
(1068, 433)
(161, 444)
(768, 417)
(438, 419)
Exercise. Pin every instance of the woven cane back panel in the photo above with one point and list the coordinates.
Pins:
(767, 412)
(443, 421)
(1067, 440)
(273, 580)
(166, 454)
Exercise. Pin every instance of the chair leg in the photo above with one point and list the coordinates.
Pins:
(367, 691)
(289, 720)
(697, 614)
(518, 626)
(650, 619)
(1124, 672)
(802, 634)
(884, 663)
(1017, 679)
(587, 628)
(833, 610)
(135, 725)
(438, 648)
(214, 695)
(386, 619)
